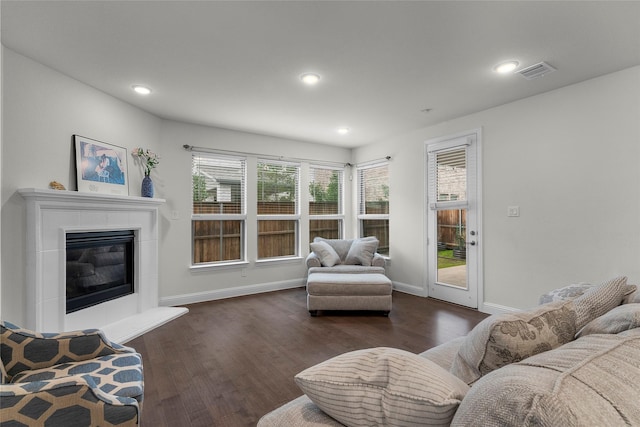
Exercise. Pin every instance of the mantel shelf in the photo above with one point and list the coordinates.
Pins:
(80, 197)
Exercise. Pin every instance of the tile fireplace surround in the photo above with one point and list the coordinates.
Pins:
(51, 214)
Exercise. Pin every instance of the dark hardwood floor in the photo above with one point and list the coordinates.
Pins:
(228, 362)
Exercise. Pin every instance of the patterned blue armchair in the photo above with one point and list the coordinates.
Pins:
(69, 379)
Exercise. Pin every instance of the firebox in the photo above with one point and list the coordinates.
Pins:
(99, 267)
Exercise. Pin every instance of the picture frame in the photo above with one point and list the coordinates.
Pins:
(100, 167)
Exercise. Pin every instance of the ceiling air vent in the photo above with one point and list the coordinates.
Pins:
(537, 70)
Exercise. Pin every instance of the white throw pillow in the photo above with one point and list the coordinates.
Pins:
(362, 251)
(327, 255)
(383, 387)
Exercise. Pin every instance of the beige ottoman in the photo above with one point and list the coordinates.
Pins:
(344, 291)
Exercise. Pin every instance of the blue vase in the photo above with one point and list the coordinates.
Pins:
(147, 187)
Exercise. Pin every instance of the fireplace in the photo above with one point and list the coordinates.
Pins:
(99, 267)
(51, 217)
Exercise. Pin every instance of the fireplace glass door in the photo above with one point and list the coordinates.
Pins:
(99, 267)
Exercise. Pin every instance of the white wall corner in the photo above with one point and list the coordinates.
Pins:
(409, 289)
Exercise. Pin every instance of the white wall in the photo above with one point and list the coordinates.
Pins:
(1, 155)
(42, 109)
(569, 158)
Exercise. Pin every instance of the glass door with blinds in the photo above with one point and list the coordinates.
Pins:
(452, 212)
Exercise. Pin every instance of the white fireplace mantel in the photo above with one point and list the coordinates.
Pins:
(51, 214)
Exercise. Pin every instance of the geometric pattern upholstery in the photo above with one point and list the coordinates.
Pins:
(68, 379)
(117, 374)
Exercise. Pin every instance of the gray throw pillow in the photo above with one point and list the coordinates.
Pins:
(361, 252)
(327, 255)
(621, 318)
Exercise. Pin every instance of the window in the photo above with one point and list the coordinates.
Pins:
(326, 213)
(373, 201)
(278, 209)
(218, 221)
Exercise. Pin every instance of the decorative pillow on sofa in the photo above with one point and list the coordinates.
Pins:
(383, 386)
(599, 300)
(502, 339)
(621, 318)
(361, 251)
(327, 255)
(632, 297)
(565, 293)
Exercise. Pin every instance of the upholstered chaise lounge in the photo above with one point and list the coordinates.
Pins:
(347, 275)
(69, 379)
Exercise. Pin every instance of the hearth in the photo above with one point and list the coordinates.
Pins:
(99, 267)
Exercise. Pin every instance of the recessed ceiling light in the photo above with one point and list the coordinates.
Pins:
(506, 67)
(310, 78)
(343, 130)
(142, 90)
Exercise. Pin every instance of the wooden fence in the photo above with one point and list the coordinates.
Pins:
(450, 223)
(222, 240)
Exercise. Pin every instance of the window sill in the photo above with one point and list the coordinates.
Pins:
(290, 259)
(219, 266)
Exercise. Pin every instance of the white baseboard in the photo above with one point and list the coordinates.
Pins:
(239, 291)
(491, 308)
(409, 289)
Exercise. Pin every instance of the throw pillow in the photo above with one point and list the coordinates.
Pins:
(565, 293)
(507, 338)
(502, 339)
(621, 318)
(328, 256)
(341, 246)
(633, 296)
(361, 252)
(599, 300)
(383, 386)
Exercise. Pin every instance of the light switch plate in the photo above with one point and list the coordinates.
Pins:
(513, 210)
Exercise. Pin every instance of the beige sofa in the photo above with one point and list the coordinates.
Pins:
(574, 361)
(347, 274)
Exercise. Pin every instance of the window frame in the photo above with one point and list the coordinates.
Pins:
(296, 216)
(340, 216)
(362, 215)
(242, 216)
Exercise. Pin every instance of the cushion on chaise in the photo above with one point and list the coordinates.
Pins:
(383, 386)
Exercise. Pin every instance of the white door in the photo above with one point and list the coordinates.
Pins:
(453, 236)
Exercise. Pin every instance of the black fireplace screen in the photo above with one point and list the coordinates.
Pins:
(99, 267)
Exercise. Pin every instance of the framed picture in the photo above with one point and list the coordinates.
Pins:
(101, 167)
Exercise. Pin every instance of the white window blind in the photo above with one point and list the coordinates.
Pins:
(278, 188)
(373, 190)
(218, 222)
(218, 184)
(448, 178)
(373, 201)
(325, 191)
(326, 212)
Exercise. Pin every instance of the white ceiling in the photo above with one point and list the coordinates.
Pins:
(235, 64)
